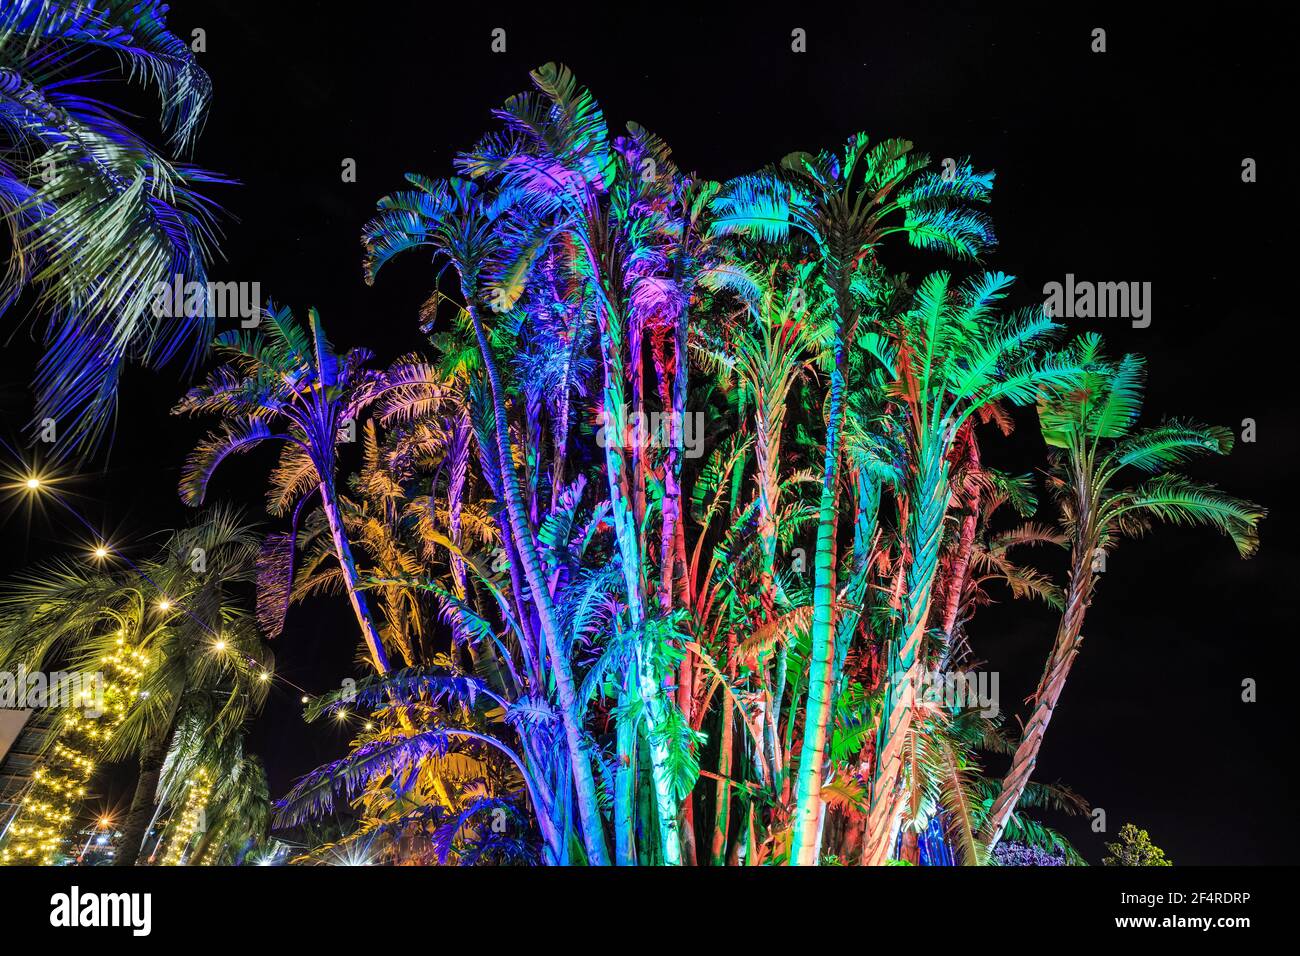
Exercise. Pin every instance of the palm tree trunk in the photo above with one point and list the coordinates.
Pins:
(803, 848)
(200, 848)
(482, 654)
(929, 493)
(673, 398)
(142, 802)
(644, 435)
(726, 744)
(627, 533)
(584, 782)
(1064, 649)
(351, 580)
(966, 540)
(625, 782)
(767, 453)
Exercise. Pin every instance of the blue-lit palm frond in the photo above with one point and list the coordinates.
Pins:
(98, 219)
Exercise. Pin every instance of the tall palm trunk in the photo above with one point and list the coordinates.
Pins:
(625, 782)
(622, 506)
(767, 452)
(201, 847)
(929, 494)
(588, 808)
(1064, 649)
(142, 802)
(966, 538)
(726, 744)
(803, 849)
(482, 653)
(673, 572)
(351, 580)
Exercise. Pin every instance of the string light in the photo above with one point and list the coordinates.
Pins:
(196, 801)
(59, 785)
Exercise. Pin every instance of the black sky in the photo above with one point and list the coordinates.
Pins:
(1122, 166)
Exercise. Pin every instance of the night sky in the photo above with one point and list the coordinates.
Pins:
(1122, 166)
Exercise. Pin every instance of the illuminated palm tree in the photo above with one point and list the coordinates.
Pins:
(460, 223)
(98, 218)
(457, 770)
(283, 382)
(947, 356)
(619, 202)
(846, 206)
(206, 660)
(1094, 424)
(767, 350)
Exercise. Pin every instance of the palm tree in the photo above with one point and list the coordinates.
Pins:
(209, 660)
(1094, 423)
(96, 216)
(456, 766)
(767, 351)
(283, 376)
(947, 356)
(846, 206)
(205, 656)
(459, 222)
(616, 201)
(237, 807)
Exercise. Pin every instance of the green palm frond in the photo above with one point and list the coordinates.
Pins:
(1170, 443)
(1180, 500)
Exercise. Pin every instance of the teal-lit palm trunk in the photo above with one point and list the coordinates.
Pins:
(928, 494)
(648, 681)
(808, 801)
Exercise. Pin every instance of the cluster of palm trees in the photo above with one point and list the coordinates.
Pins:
(583, 643)
(642, 662)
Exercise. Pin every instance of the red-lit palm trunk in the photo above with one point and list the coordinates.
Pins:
(970, 502)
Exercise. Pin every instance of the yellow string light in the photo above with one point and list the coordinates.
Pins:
(60, 784)
(196, 800)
